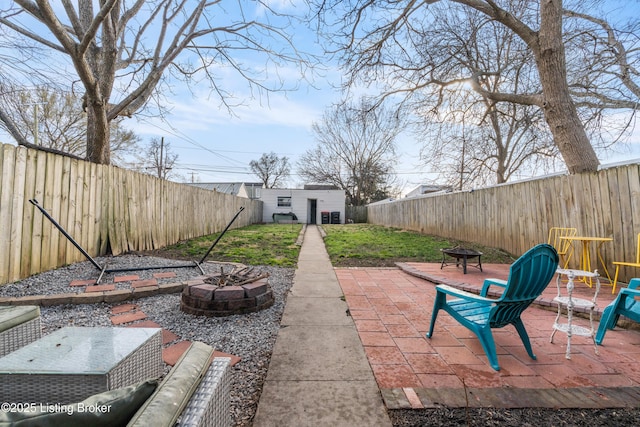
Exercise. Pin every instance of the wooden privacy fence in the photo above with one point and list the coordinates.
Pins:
(516, 216)
(106, 209)
(357, 214)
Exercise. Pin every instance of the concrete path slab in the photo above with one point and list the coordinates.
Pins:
(321, 403)
(319, 374)
(316, 273)
(315, 285)
(308, 353)
(315, 311)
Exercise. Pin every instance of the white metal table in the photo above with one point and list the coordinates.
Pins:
(74, 363)
(570, 303)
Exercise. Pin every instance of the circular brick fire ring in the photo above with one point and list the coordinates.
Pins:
(203, 297)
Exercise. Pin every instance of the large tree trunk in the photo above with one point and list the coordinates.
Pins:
(559, 109)
(98, 135)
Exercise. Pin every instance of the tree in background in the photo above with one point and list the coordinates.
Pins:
(355, 151)
(123, 51)
(379, 42)
(272, 170)
(54, 121)
(156, 159)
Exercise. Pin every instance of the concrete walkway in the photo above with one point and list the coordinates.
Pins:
(319, 374)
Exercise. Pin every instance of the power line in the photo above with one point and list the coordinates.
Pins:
(188, 139)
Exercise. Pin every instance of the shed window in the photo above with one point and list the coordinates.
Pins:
(284, 201)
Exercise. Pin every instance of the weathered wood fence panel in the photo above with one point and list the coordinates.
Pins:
(107, 210)
(357, 214)
(516, 216)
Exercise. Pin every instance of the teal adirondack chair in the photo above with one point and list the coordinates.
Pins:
(529, 275)
(625, 304)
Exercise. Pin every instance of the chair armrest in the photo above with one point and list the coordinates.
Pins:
(626, 292)
(450, 290)
(634, 283)
(488, 282)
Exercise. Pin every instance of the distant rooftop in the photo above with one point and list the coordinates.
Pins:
(250, 189)
(426, 189)
(320, 187)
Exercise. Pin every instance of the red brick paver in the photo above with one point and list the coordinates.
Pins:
(144, 283)
(128, 317)
(123, 308)
(128, 313)
(171, 354)
(392, 310)
(167, 335)
(100, 288)
(82, 282)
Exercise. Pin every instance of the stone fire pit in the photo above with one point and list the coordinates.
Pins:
(222, 294)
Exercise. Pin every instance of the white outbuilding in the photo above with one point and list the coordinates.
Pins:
(311, 205)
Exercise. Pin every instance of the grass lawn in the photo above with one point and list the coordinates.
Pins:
(352, 245)
(349, 245)
(269, 244)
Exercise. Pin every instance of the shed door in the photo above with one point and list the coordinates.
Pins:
(312, 207)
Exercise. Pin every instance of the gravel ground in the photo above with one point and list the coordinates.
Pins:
(250, 336)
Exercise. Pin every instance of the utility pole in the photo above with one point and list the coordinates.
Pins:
(35, 121)
(159, 159)
(161, 162)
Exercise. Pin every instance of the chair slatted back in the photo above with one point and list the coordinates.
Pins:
(528, 278)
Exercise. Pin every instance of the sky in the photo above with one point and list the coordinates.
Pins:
(215, 146)
(282, 125)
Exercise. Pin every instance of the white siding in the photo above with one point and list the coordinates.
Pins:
(326, 200)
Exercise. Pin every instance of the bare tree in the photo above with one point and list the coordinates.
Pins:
(160, 158)
(384, 50)
(355, 151)
(469, 139)
(53, 120)
(272, 170)
(157, 159)
(122, 51)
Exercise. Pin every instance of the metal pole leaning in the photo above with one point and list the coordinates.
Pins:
(34, 202)
(220, 236)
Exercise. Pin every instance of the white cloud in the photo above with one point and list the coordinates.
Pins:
(278, 109)
(281, 6)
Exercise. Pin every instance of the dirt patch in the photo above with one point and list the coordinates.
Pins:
(355, 262)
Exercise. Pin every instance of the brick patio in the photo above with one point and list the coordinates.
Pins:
(392, 310)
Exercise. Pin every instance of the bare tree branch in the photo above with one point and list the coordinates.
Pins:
(620, 54)
(123, 52)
